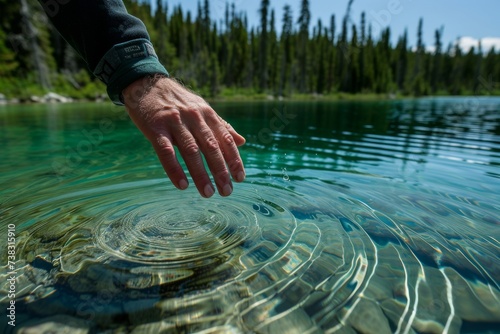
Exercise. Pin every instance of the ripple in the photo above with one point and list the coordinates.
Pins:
(286, 256)
(174, 233)
(131, 226)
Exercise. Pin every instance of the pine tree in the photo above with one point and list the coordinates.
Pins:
(303, 21)
(322, 57)
(456, 74)
(353, 68)
(401, 62)
(418, 84)
(436, 65)
(162, 47)
(263, 53)
(362, 54)
(383, 77)
(253, 60)
(214, 71)
(330, 77)
(469, 71)
(226, 18)
(286, 47)
(274, 53)
(344, 54)
(479, 65)
(490, 70)
(369, 56)
(206, 15)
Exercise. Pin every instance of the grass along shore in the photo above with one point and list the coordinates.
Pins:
(96, 91)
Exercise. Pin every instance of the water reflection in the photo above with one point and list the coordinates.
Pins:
(373, 137)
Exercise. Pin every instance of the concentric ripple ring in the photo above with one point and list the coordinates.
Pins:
(175, 234)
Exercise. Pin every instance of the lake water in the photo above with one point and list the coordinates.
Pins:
(355, 217)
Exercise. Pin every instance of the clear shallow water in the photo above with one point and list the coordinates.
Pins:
(355, 217)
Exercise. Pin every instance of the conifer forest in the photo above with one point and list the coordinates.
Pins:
(285, 56)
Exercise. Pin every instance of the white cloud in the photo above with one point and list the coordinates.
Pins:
(487, 43)
(430, 48)
(467, 42)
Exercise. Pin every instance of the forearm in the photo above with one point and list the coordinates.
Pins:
(115, 44)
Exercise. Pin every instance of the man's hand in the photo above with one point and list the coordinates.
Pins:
(168, 114)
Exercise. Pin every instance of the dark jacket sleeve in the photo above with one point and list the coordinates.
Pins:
(115, 44)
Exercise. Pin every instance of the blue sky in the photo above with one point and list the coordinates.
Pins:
(471, 20)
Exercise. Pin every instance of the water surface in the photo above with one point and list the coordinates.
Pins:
(372, 217)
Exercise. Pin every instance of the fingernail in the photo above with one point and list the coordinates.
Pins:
(240, 176)
(227, 190)
(209, 190)
(183, 184)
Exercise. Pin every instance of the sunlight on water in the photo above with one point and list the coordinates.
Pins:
(361, 230)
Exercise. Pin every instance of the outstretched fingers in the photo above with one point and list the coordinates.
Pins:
(212, 151)
(191, 153)
(239, 140)
(170, 115)
(229, 140)
(165, 151)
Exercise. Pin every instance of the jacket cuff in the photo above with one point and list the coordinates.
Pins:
(126, 63)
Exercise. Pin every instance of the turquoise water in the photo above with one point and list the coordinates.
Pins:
(355, 217)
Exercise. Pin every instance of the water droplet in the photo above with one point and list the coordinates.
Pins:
(285, 175)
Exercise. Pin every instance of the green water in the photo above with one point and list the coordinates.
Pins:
(355, 217)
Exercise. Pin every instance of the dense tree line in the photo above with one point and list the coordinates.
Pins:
(229, 56)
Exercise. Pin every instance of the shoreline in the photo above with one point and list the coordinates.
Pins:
(52, 97)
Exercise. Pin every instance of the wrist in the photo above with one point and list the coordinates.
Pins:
(125, 63)
(134, 92)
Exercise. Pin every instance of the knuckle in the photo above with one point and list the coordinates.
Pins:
(234, 164)
(190, 148)
(210, 113)
(165, 149)
(166, 152)
(175, 117)
(193, 114)
(227, 138)
(162, 142)
(211, 144)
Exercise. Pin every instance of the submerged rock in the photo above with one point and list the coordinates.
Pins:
(59, 324)
(367, 317)
(296, 269)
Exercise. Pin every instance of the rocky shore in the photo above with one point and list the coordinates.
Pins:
(50, 97)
